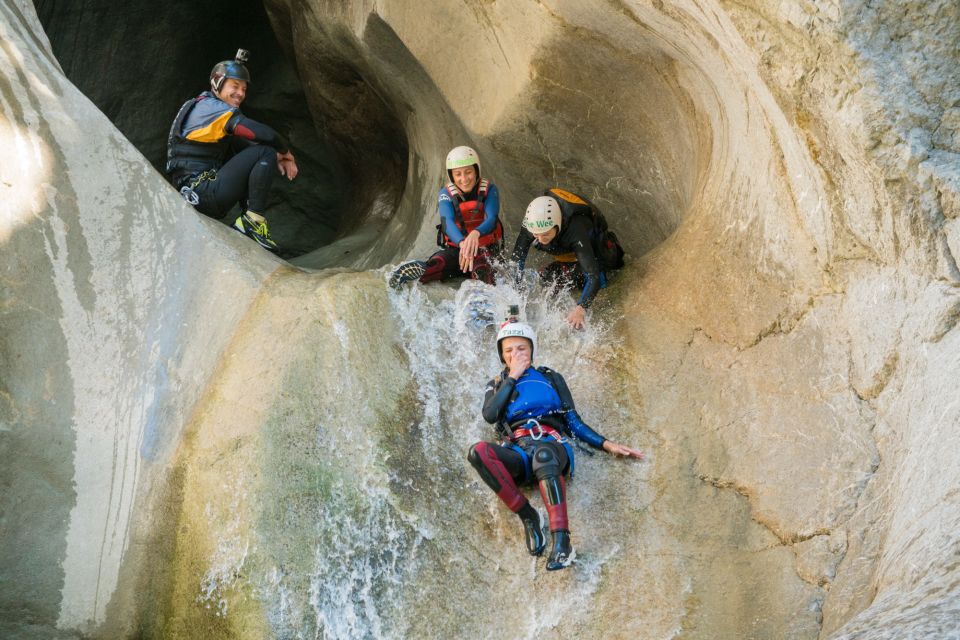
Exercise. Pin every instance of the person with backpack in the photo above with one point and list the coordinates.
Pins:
(217, 157)
(535, 417)
(573, 230)
(469, 233)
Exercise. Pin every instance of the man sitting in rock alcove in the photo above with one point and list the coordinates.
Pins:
(217, 157)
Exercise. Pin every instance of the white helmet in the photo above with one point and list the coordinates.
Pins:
(516, 330)
(542, 214)
(462, 157)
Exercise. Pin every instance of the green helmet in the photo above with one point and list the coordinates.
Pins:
(462, 157)
(230, 69)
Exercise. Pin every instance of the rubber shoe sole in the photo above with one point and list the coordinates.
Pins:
(406, 272)
(563, 554)
(562, 561)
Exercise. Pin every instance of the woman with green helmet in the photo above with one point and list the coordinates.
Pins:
(469, 233)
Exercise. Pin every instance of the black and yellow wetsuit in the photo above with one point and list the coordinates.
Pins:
(223, 155)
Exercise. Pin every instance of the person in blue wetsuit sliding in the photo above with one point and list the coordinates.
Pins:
(534, 411)
(217, 157)
(469, 234)
(574, 231)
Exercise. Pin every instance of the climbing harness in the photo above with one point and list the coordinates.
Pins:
(188, 191)
(534, 430)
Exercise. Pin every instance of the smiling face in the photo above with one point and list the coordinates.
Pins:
(514, 346)
(465, 178)
(233, 91)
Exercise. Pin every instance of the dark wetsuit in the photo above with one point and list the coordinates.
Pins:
(215, 151)
(577, 261)
(445, 263)
(540, 395)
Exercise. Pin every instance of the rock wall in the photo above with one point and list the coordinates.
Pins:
(219, 446)
(104, 274)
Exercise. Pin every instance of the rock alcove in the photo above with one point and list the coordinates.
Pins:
(138, 65)
(617, 127)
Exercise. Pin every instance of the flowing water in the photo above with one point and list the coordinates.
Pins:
(377, 527)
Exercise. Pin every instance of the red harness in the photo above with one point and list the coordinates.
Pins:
(471, 214)
(536, 431)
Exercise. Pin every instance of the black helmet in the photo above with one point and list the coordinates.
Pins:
(230, 69)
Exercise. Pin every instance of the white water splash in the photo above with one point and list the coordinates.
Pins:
(230, 554)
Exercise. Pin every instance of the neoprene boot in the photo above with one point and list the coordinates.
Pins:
(563, 553)
(533, 530)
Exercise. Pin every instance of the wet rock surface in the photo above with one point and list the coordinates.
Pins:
(217, 445)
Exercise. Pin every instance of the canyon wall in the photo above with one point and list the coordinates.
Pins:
(202, 440)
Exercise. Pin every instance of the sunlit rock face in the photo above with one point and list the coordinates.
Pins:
(217, 445)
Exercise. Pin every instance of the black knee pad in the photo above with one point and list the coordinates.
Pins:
(473, 457)
(545, 461)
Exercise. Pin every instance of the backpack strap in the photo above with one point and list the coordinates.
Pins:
(562, 390)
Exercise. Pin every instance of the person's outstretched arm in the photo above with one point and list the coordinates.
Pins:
(581, 430)
(520, 250)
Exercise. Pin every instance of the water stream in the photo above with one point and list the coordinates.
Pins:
(377, 527)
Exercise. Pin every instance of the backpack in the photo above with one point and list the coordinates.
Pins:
(606, 245)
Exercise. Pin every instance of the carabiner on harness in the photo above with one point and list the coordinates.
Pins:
(532, 424)
(190, 195)
(188, 190)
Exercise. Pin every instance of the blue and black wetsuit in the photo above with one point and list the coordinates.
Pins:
(223, 155)
(477, 210)
(585, 250)
(526, 411)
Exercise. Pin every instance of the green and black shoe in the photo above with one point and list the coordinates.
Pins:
(256, 230)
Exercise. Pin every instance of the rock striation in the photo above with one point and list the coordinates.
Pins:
(200, 440)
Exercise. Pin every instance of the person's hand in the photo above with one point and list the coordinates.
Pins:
(519, 364)
(577, 318)
(287, 165)
(468, 250)
(617, 449)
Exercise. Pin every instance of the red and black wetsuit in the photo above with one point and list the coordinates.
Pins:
(461, 213)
